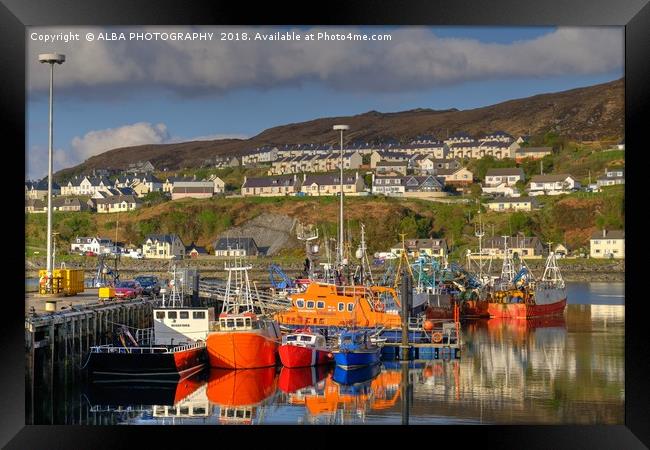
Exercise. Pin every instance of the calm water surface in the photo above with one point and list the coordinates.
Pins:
(568, 369)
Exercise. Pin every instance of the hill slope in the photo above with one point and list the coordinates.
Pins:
(589, 113)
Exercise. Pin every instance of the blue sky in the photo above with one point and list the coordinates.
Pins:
(109, 94)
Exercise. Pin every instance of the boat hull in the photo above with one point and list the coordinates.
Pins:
(356, 376)
(161, 367)
(525, 311)
(241, 350)
(295, 356)
(357, 358)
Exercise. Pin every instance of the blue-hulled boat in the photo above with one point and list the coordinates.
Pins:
(356, 379)
(355, 350)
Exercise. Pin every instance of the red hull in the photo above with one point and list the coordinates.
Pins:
(524, 311)
(294, 356)
(189, 361)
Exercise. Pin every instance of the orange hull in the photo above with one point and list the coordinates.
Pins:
(241, 350)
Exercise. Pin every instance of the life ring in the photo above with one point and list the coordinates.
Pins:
(436, 337)
(379, 306)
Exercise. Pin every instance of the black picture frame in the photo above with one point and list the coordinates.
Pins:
(15, 15)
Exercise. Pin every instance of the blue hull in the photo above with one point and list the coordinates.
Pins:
(357, 358)
(356, 377)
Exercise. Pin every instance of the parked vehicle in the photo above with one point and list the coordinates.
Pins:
(135, 255)
(89, 253)
(150, 284)
(128, 289)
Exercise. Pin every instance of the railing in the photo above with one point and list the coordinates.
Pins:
(145, 350)
(266, 301)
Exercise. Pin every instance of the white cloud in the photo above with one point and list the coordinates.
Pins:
(99, 141)
(415, 58)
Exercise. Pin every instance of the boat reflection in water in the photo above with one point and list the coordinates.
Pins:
(296, 379)
(241, 394)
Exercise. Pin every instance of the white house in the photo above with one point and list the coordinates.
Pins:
(96, 245)
(607, 244)
(192, 189)
(512, 204)
(117, 203)
(163, 246)
(612, 177)
(553, 184)
(502, 181)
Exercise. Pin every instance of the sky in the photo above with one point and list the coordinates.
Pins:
(148, 89)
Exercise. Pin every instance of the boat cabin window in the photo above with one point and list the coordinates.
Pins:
(184, 315)
(320, 304)
(305, 338)
(240, 414)
(185, 410)
(240, 323)
(350, 306)
(171, 315)
(160, 314)
(346, 340)
(291, 338)
(310, 304)
(341, 306)
(230, 323)
(199, 411)
(198, 315)
(300, 303)
(247, 321)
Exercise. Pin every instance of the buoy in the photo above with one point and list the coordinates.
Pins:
(427, 325)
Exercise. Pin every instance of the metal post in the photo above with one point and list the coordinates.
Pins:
(404, 347)
(48, 288)
(341, 208)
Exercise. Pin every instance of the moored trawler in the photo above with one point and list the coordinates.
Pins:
(173, 349)
(531, 298)
(242, 338)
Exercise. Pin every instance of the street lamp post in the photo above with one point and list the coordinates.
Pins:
(51, 59)
(340, 255)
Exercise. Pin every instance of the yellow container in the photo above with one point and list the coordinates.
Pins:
(106, 292)
(70, 281)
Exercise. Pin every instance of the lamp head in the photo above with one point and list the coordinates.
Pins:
(341, 127)
(51, 58)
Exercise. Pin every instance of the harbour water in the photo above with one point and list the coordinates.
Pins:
(564, 370)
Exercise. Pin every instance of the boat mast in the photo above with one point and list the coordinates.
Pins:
(552, 273)
(507, 270)
(238, 298)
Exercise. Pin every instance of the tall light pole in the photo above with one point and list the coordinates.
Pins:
(51, 59)
(341, 128)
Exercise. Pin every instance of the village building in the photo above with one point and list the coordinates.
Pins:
(97, 245)
(192, 189)
(275, 186)
(68, 204)
(405, 185)
(330, 184)
(613, 176)
(34, 205)
(163, 246)
(607, 244)
(512, 204)
(523, 247)
(219, 186)
(38, 189)
(141, 166)
(194, 251)
(502, 181)
(524, 153)
(236, 246)
(456, 177)
(385, 155)
(419, 247)
(553, 184)
(117, 203)
(385, 167)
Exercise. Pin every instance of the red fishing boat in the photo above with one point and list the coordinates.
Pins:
(304, 348)
(531, 298)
